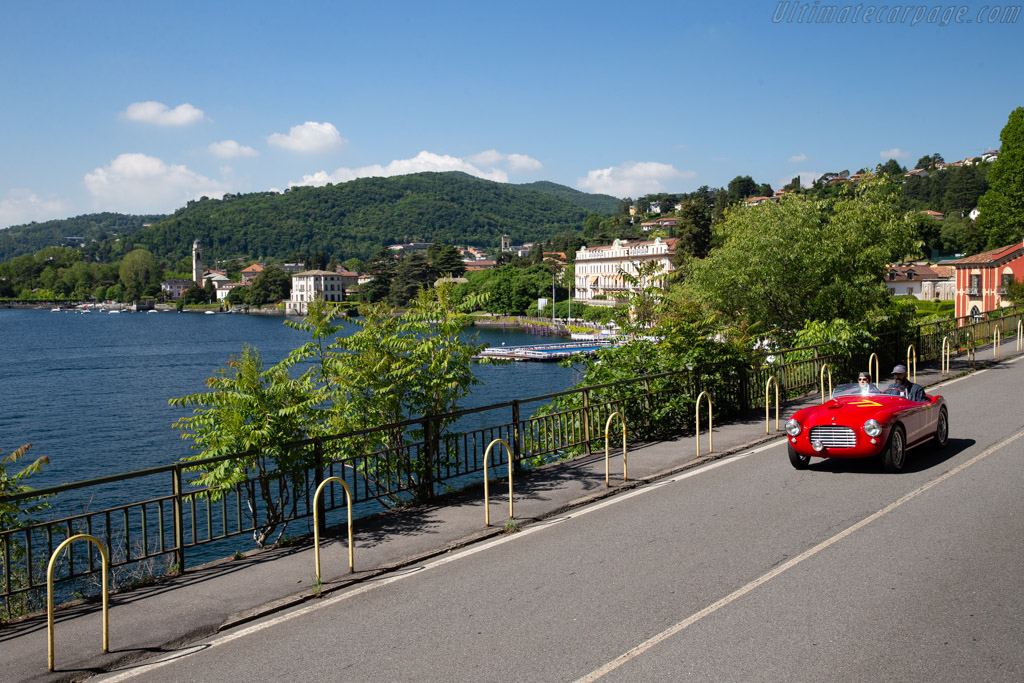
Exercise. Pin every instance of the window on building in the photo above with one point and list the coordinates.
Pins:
(975, 284)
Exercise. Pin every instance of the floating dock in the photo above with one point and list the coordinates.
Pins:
(543, 352)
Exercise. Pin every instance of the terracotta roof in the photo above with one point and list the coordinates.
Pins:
(254, 268)
(991, 256)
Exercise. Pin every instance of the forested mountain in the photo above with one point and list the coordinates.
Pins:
(98, 231)
(352, 219)
(355, 218)
(597, 203)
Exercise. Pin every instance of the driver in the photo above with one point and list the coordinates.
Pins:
(865, 385)
(901, 386)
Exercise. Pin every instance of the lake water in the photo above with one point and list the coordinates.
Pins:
(90, 390)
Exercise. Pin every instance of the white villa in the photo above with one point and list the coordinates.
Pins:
(599, 269)
(312, 284)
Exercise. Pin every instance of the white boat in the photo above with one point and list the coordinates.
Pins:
(209, 312)
(153, 311)
(55, 310)
(112, 312)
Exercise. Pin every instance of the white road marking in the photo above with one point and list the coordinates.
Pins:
(140, 669)
(735, 595)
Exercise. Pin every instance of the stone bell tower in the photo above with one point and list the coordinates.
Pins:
(197, 264)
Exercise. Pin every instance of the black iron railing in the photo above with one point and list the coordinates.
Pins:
(413, 460)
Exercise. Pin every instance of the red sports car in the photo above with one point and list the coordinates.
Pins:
(862, 422)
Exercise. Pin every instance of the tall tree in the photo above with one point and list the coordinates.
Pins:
(273, 284)
(891, 168)
(804, 259)
(446, 259)
(1002, 207)
(741, 187)
(138, 269)
(413, 273)
(693, 231)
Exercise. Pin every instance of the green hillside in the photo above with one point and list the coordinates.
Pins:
(98, 231)
(357, 217)
(597, 203)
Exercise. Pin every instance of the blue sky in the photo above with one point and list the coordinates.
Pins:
(137, 107)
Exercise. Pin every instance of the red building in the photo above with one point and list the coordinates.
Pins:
(981, 279)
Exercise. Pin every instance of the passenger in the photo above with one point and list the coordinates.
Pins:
(864, 381)
(902, 386)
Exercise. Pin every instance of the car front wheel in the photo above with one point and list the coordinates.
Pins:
(798, 461)
(894, 457)
(941, 430)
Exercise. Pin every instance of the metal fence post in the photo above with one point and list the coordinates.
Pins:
(179, 521)
(318, 477)
(426, 484)
(516, 435)
(586, 420)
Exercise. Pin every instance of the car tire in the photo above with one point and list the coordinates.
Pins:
(800, 462)
(894, 457)
(941, 437)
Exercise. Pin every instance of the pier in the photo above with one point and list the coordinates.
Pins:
(543, 352)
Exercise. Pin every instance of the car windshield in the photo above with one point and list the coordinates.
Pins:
(865, 389)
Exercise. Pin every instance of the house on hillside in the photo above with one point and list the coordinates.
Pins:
(251, 273)
(224, 288)
(981, 280)
(599, 270)
(315, 284)
(922, 281)
(659, 224)
(934, 214)
(174, 288)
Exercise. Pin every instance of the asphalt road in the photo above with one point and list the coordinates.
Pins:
(742, 570)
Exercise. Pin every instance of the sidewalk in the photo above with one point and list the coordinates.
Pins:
(217, 596)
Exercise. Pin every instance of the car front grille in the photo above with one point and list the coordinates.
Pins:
(832, 436)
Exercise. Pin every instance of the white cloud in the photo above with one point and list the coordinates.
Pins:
(160, 114)
(309, 137)
(894, 153)
(513, 162)
(521, 162)
(798, 158)
(424, 161)
(490, 157)
(229, 149)
(138, 183)
(633, 179)
(22, 205)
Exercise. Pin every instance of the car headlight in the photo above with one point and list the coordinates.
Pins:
(793, 427)
(872, 428)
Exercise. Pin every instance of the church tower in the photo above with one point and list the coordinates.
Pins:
(197, 264)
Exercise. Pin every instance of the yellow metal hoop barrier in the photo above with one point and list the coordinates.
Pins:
(946, 357)
(996, 339)
(1020, 335)
(970, 349)
(49, 593)
(711, 443)
(878, 366)
(912, 355)
(824, 367)
(487, 499)
(316, 523)
(607, 459)
(767, 422)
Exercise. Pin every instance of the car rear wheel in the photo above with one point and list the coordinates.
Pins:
(798, 461)
(894, 457)
(941, 430)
